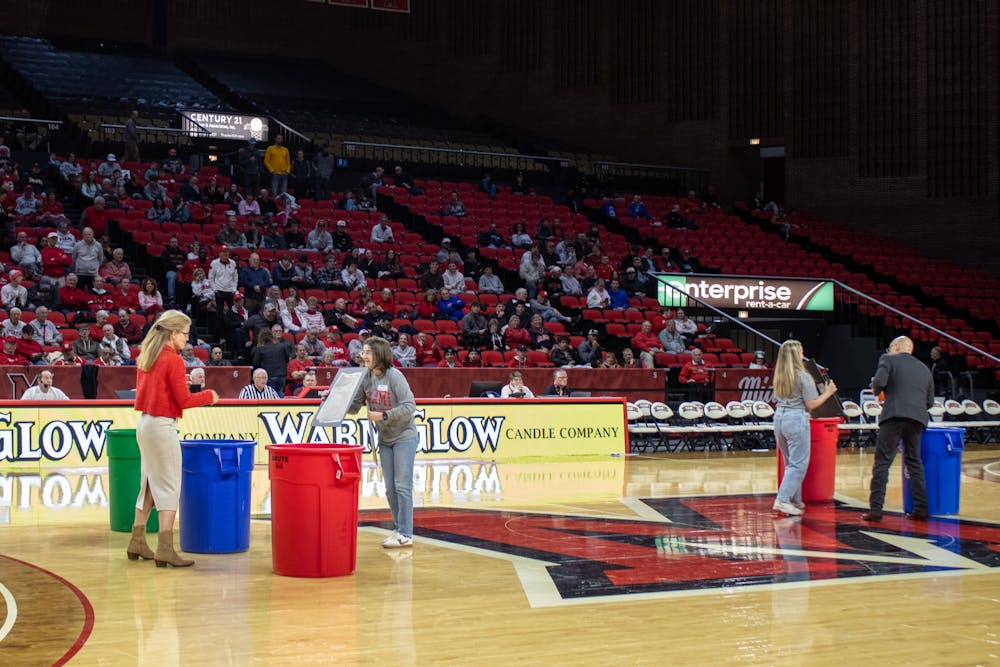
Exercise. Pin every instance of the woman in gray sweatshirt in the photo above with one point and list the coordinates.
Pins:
(391, 407)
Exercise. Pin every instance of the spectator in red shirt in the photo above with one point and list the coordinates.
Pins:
(72, 297)
(125, 299)
(647, 343)
(520, 358)
(450, 359)
(127, 329)
(9, 356)
(515, 335)
(336, 352)
(28, 347)
(95, 216)
(100, 297)
(697, 377)
(297, 368)
(55, 260)
(428, 353)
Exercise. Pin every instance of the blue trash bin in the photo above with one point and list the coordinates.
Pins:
(215, 495)
(941, 452)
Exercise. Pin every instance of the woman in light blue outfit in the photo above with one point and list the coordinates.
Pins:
(796, 395)
(390, 409)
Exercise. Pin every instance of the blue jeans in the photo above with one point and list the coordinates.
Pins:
(171, 284)
(279, 184)
(397, 471)
(791, 431)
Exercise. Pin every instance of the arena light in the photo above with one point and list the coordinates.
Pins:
(755, 141)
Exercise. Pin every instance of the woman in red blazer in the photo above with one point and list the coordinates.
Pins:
(161, 396)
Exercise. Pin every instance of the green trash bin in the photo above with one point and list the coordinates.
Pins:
(124, 475)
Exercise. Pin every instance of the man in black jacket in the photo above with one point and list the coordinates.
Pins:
(909, 391)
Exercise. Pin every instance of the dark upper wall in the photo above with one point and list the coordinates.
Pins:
(887, 111)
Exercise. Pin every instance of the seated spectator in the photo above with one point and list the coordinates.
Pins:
(489, 282)
(520, 239)
(559, 386)
(52, 211)
(319, 238)
(455, 207)
(629, 360)
(203, 293)
(274, 238)
(515, 335)
(259, 389)
(431, 279)
(180, 211)
(191, 191)
(188, 357)
(154, 192)
(670, 340)
(541, 338)
(336, 353)
(126, 328)
(95, 216)
(515, 387)
(46, 333)
(70, 169)
(404, 354)
(248, 206)
(491, 238)
(216, 358)
(14, 294)
(637, 209)
(450, 359)
(100, 298)
(685, 326)
(382, 232)
(351, 277)
(520, 187)
(562, 354)
(28, 347)
(150, 299)
(124, 298)
(71, 297)
(118, 345)
(172, 164)
(473, 359)
(474, 326)
(450, 305)
(758, 362)
(427, 351)
(303, 273)
(697, 377)
(494, 337)
(9, 355)
(647, 343)
(85, 349)
(90, 187)
(26, 206)
(598, 297)
(619, 299)
(453, 279)
(13, 324)
(159, 212)
(117, 270)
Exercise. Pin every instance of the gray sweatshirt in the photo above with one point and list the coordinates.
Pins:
(390, 394)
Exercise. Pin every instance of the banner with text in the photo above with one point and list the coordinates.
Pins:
(743, 293)
(221, 125)
(494, 430)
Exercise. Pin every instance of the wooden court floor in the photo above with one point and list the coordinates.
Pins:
(641, 560)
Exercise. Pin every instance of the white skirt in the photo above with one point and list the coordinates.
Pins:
(160, 449)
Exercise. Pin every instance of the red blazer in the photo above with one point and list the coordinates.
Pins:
(163, 391)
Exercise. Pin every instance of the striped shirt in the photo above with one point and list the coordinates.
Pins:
(251, 392)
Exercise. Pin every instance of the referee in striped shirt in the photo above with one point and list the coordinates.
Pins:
(259, 388)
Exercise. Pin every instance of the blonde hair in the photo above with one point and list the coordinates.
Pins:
(788, 364)
(166, 325)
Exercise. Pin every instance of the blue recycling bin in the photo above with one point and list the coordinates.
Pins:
(215, 495)
(941, 452)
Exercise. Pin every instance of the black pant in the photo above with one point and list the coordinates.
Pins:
(223, 300)
(890, 433)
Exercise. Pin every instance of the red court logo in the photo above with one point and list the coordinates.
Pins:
(694, 546)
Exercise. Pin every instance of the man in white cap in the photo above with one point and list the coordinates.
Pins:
(108, 168)
(341, 239)
(758, 360)
(445, 252)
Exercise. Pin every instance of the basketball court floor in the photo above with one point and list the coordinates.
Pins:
(670, 559)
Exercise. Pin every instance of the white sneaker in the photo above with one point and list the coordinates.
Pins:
(786, 508)
(800, 505)
(397, 541)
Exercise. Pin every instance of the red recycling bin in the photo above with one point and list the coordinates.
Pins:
(314, 509)
(817, 487)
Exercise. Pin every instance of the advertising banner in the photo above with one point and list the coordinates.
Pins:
(392, 5)
(743, 384)
(40, 435)
(744, 293)
(222, 125)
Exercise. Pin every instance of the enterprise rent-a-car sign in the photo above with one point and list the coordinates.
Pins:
(744, 293)
(223, 125)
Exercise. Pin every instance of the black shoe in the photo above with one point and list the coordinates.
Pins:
(871, 516)
(917, 516)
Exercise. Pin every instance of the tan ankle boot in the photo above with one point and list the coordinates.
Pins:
(165, 551)
(137, 547)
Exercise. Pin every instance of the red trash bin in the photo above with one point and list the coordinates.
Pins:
(818, 485)
(314, 509)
